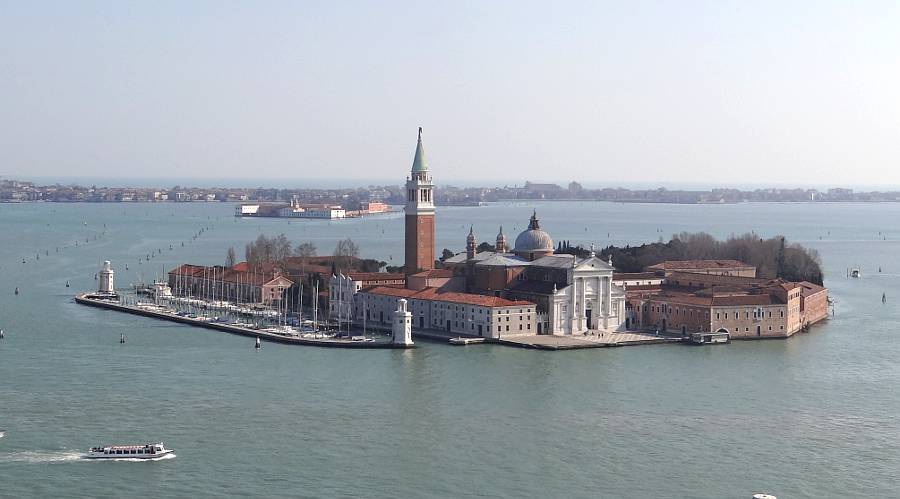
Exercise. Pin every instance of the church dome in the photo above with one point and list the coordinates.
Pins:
(533, 239)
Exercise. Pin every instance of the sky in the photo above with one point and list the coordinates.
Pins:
(607, 93)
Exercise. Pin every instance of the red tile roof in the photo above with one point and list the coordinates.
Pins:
(713, 278)
(376, 276)
(228, 274)
(389, 291)
(699, 264)
(468, 298)
(434, 294)
(719, 297)
(810, 288)
(634, 276)
(434, 274)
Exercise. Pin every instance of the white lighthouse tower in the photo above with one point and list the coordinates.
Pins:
(106, 279)
(402, 324)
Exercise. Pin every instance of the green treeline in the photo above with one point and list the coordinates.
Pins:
(773, 257)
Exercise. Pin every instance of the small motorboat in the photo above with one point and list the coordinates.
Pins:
(145, 451)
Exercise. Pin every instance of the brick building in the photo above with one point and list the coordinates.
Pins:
(717, 299)
(419, 240)
(260, 286)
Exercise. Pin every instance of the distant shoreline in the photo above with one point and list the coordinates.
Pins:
(353, 198)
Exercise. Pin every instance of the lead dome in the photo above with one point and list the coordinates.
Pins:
(533, 242)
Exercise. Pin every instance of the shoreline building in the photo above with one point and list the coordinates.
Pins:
(722, 296)
(446, 311)
(229, 284)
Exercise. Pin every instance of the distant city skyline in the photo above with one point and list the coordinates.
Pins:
(703, 94)
(333, 183)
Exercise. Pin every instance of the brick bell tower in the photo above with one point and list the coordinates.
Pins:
(419, 215)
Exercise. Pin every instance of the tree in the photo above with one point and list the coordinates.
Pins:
(484, 247)
(446, 254)
(231, 258)
(345, 251)
(281, 248)
(267, 250)
(306, 249)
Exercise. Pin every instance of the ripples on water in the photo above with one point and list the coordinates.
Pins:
(813, 416)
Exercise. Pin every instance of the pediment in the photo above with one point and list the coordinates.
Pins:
(594, 264)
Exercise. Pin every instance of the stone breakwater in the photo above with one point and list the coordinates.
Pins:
(87, 299)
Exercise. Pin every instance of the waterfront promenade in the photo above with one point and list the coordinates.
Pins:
(550, 342)
(575, 342)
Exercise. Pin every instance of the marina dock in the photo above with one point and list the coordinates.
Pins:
(87, 299)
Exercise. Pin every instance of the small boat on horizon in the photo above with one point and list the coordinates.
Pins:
(145, 451)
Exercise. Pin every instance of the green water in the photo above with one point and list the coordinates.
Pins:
(813, 416)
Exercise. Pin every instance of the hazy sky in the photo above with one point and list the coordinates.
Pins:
(620, 92)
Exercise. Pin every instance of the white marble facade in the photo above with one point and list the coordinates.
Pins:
(590, 303)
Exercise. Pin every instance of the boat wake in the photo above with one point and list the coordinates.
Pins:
(34, 457)
(39, 457)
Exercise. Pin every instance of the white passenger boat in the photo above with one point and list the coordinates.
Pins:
(145, 451)
(709, 338)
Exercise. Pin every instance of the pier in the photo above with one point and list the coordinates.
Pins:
(94, 300)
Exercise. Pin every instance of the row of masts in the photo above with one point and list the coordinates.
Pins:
(212, 292)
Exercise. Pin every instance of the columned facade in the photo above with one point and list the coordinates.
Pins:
(587, 304)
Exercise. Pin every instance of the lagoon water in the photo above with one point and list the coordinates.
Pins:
(817, 415)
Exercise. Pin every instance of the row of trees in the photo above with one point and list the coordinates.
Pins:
(772, 257)
(275, 249)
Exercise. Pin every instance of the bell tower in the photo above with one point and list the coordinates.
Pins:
(471, 244)
(419, 214)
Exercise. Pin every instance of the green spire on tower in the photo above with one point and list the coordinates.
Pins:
(419, 164)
